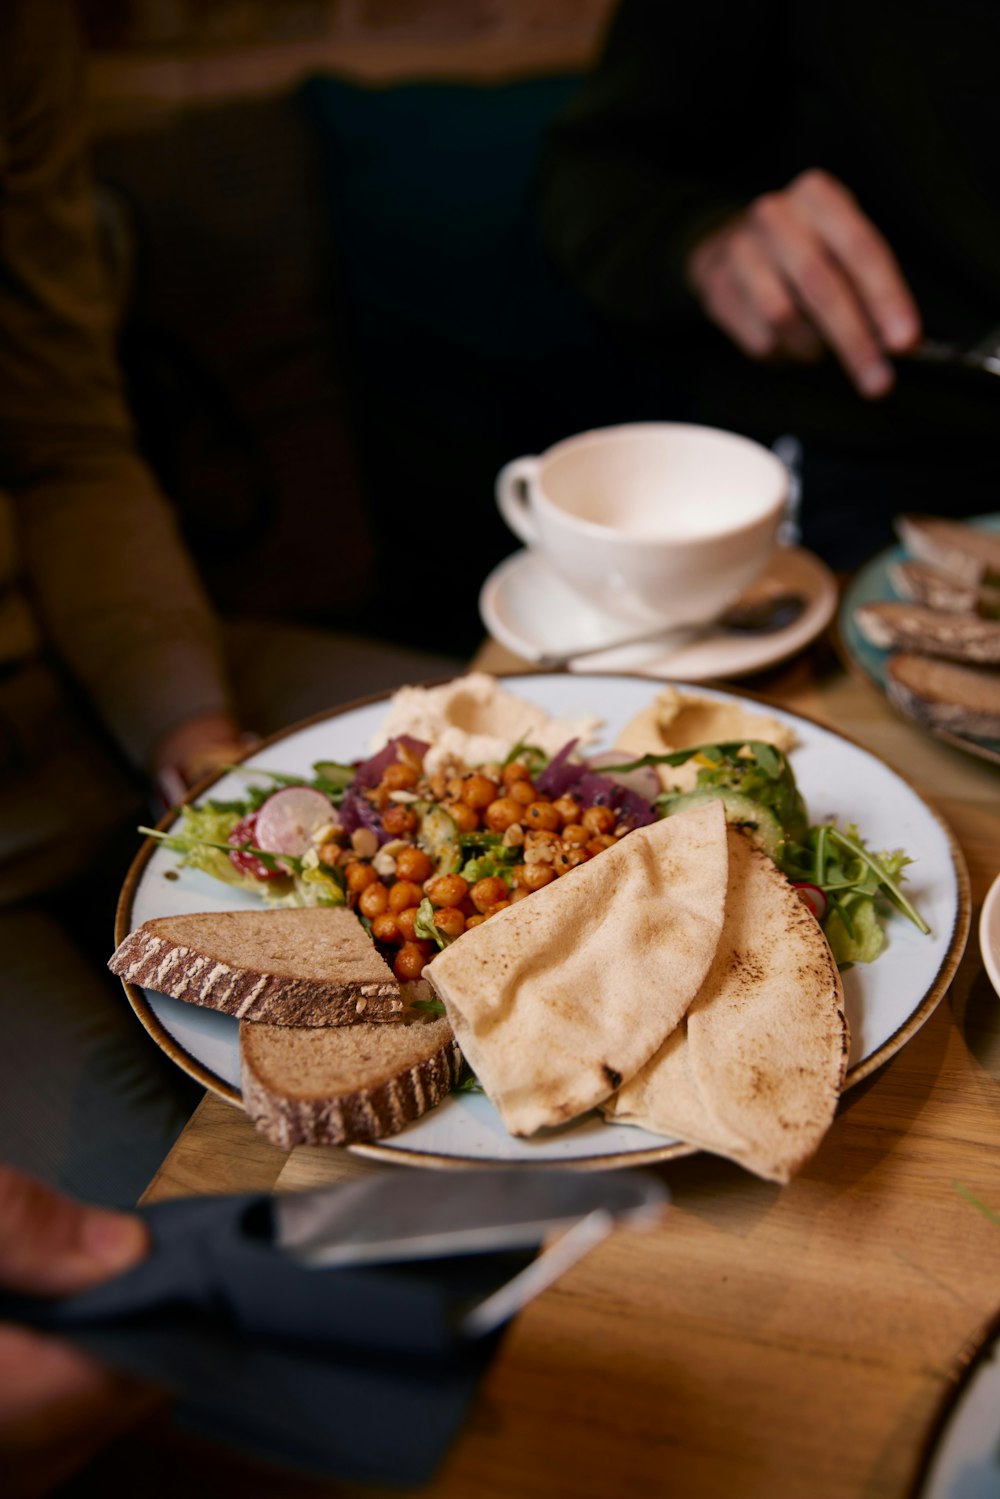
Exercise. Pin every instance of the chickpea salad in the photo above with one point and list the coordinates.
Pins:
(423, 856)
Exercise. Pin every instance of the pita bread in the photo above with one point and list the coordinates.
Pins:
(756, 1070)
(560, 997)
(682, 720)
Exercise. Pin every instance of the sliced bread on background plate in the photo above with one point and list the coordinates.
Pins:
(945, 695)
(923, 584)
(893, 624)
(343, 1084)
(303, 966)
(965, 551)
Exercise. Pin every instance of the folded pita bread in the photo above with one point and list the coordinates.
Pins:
(560, 997)
(755, 1071)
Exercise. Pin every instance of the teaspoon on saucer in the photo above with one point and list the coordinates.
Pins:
(761, 616)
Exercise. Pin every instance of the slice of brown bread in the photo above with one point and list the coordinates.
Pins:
(340, 1085)
(967, 552)
(962, 699)
(300, 966)
(922, 584)
(958, 637)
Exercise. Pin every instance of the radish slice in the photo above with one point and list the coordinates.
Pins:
(644, 781)
(288, 820)
(813, 897)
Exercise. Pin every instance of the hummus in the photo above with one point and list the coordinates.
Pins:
(679, 720)
(473, 720)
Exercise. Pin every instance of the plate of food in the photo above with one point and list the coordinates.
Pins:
(649, 920)
(922, 622)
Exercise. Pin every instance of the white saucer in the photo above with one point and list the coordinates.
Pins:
(534, 614)
(989, 933)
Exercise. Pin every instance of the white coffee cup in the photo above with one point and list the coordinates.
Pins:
(653, 522)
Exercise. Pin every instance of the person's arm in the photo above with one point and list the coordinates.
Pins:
(116, 593)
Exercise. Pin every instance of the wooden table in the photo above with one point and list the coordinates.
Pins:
(763, 1341)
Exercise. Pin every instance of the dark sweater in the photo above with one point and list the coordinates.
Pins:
(696, 110)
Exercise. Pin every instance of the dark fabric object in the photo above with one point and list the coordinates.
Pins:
(234, 355)
(357, 1374)
(696, 111)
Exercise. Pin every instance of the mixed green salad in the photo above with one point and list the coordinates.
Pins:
(424, 857)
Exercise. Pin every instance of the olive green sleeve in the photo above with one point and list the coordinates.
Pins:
(116, 594)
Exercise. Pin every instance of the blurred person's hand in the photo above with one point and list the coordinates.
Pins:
(804, 271)
(58, 1407)
(197, 747)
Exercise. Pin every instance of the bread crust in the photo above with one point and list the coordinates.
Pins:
(957, 637)
(961, 699)
(357, 986)
(352, 1114)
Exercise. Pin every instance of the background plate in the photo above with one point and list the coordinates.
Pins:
(886, 1001)
(871, 585)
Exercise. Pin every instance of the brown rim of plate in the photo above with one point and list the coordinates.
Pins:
(961, 1371)
(674, 1151)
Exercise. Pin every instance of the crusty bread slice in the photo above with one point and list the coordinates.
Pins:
(965, 551)
(962, 699)
(922, 584)
(338, 1085)
(893, 624)
(314, 965)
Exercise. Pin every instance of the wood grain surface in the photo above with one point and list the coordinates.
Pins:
(762, 1342)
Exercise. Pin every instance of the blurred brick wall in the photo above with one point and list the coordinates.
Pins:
(154, 55)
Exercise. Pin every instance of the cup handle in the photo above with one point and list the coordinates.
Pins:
(512, 502)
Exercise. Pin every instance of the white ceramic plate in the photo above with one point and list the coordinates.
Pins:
(886, 1001)
(989, 933)
(963, 1460)
(534, 614)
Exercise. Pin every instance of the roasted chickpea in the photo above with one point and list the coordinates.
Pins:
(500, 905)
(450, 921)
(502, 813)
(439, 785)
(568, 808)
(598, 819)
(329, 853)
(515, 771)
(575, 834)
(447, 890)
(385, 928)
(534, 876)
(542, 815)
(600, 842)
(465, 818)
(487, 892)
(522, 792)
(359, 876)
(405, 920)
(397, 819)
(404, 893)
(471, 921)
(478, 791)
(568, 858)
(410, 960)
(413, 864)
(400, 777)
(373, 900)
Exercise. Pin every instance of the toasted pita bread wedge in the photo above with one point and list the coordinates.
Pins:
(681, 720)
(755, 1071)
(562, 996)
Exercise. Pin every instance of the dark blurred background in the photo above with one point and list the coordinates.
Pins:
(337, 320)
